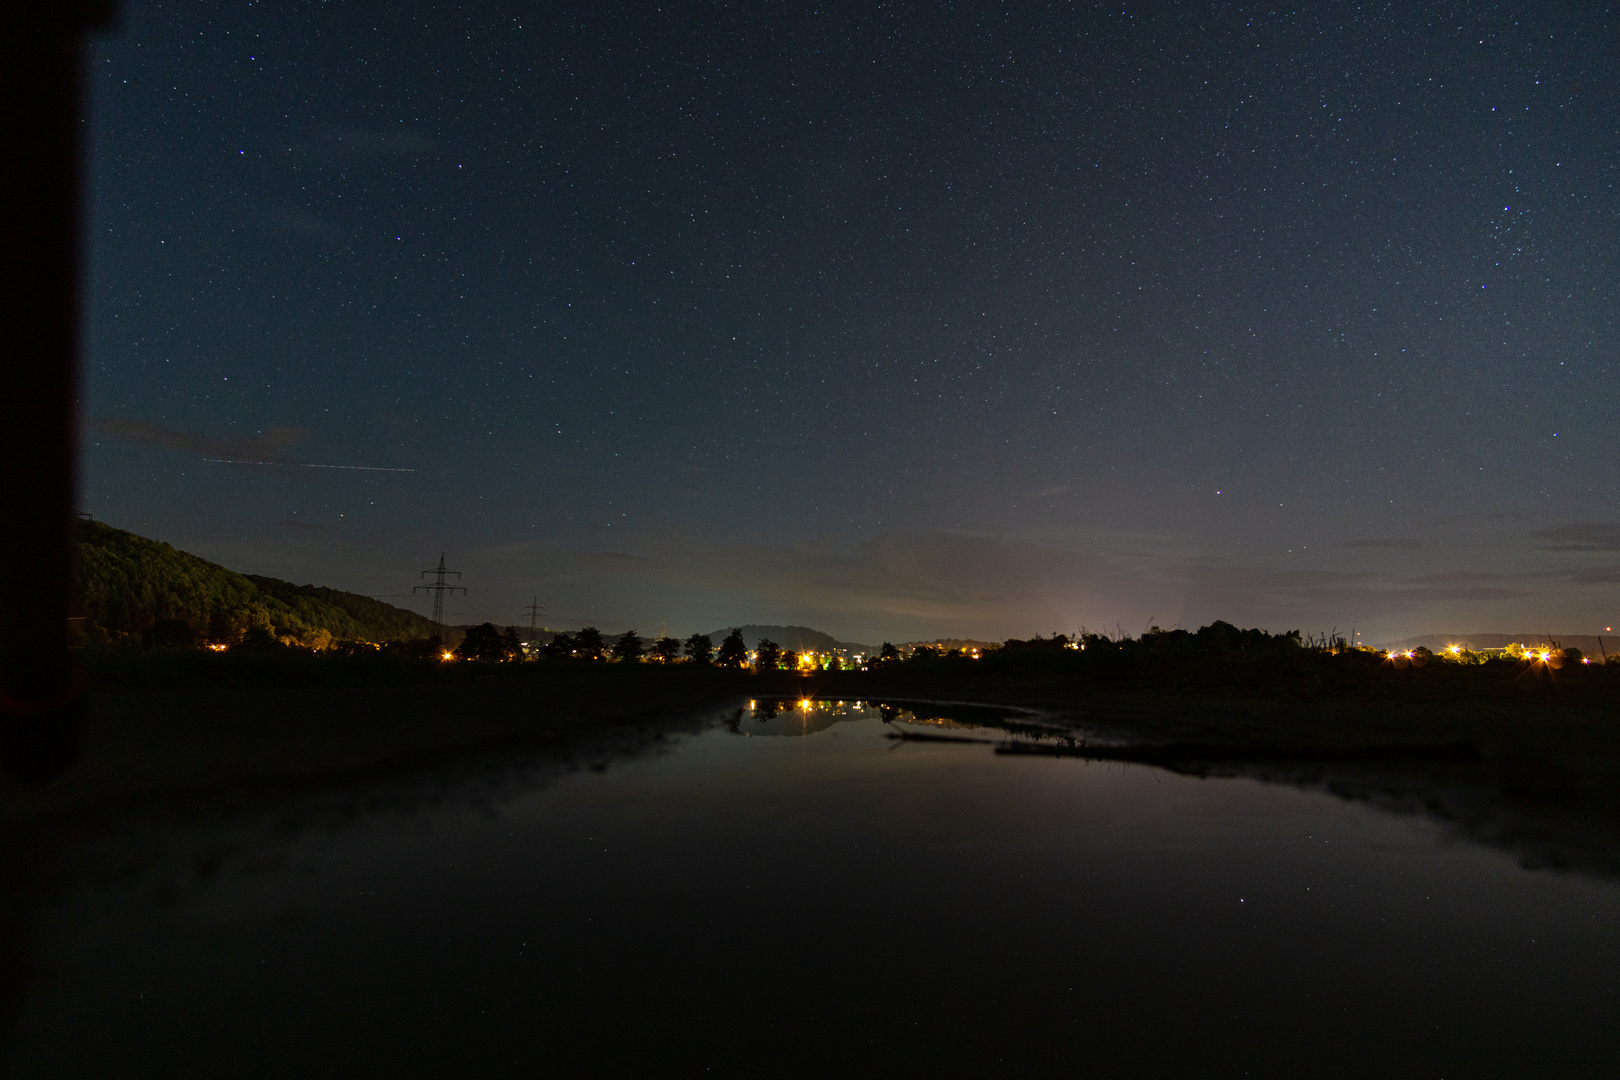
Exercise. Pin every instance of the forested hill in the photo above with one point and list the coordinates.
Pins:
(131, 584)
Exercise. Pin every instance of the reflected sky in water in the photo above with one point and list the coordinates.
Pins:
(841, 901)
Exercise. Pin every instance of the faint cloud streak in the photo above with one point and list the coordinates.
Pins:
(1583, 536)
(351, 142)
(266, 447)
(1396, 543)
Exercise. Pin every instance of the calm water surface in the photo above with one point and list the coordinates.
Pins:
(804, 896)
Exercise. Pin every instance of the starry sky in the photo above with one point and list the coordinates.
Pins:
(898, 321)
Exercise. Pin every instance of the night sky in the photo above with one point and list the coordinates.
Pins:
(898, 321)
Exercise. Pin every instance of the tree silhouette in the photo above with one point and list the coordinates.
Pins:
(560, 647)
(789, 660)
(260, 639)
(589, 644)
(699, 649)
(417, 648)
(510, 645)
(733, 653)
(628, 648)
(768, 655)
(483, 643)
(667, 649)
(888, 654)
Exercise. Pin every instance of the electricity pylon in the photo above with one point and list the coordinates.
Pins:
(534, 613)
(438, 588)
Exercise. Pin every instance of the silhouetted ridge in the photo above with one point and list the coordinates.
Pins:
(132, 586)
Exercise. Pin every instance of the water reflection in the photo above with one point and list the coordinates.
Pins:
(832, 902)
(806, 716)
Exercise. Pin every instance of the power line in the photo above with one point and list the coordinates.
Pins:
(438, 588)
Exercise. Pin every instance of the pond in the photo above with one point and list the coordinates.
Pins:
(795, 892)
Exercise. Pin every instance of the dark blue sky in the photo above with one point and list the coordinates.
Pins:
(898, 320)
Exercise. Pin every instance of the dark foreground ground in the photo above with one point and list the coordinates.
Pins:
(199, 742)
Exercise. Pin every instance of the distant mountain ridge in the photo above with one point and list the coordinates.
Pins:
(1589, 644)
(798, 638)
(129, 583)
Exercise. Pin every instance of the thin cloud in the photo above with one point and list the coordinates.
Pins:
(1595, 575)
(1462, 592)
(1398, 543)
(347, 141)
(270, 446)
(1456, 577)
(922, 585)
(946, 583)
(1583, 536)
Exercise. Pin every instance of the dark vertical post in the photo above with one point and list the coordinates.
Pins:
(41, 135)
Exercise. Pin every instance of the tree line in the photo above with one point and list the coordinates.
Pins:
(487, 644)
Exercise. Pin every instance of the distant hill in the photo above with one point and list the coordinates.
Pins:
(1587, 643)
(798, 638)
(129, 583)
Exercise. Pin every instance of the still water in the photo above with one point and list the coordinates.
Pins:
(803, 895)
